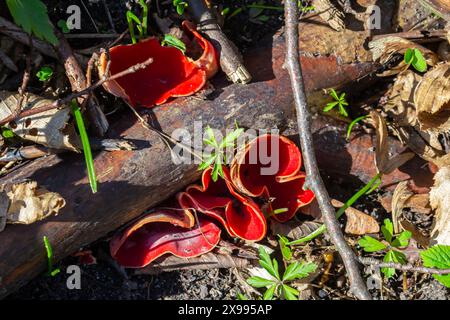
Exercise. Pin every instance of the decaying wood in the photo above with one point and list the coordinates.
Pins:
(132, 181)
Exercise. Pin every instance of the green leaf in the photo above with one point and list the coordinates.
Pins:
(388, 272)
(419, 62)
(268, 264)
(62, 24)
(370, 244)
(172, 41)
(268, 295)
(7, 133)
(32, 16)
(211, 140)
(438, 257)
(342, 97)
(44, 74)
(230, 138)
(334, 94)
(241, 296)
(352, 124)
(289, 292)
(342, 110)
(259, 282)
(207, 163)
(49, 250)
(388, 230)
(86, 145)
(409, 56)
(393, 256)
(285, 250)
(298, 270)
(330, 106)
(402, 240)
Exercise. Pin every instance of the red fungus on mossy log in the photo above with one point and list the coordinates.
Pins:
(171, 74)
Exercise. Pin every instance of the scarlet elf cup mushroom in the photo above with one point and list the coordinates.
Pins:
(227, 201)
(171, 74)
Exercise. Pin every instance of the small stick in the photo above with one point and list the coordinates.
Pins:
(35, 151)
(402, 267)
(415, 35)
(108, 13)
(314, 180)
(25, 80)
(60, 102)
(231, 60)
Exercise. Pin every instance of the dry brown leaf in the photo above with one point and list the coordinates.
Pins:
(417, 141)
(48, 128)
(330, 13)
(29, 203)
(384, 49)
(399, 198)
(400, 99)
(416, 234)
(419, 203)
(432, 99)
(384, 163)
(440, 201)
(294, 229)
(358, 223)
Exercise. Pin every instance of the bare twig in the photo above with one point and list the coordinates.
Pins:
(60, 102)
(357, 285)
(402, 267)
(25, 80)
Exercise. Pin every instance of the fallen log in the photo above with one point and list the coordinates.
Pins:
(132, 181)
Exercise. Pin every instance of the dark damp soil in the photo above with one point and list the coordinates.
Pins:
(245, 27)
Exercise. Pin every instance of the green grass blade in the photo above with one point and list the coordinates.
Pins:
(350, 127)
(86, 145)
(340, 212)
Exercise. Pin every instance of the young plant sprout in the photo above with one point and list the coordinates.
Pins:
(340, 102)
(413, 57)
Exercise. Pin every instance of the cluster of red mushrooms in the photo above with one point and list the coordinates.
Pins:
(193, 225)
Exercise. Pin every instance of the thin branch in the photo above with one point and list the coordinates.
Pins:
(403, 267)
(314, 180)
(60, 102)
(25, 80)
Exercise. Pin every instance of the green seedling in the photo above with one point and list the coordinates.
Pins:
(218, 157)
(44, 74)
(141, 24)
(277, 286)
(352, 124)
(62, 24)
(413, 57)
(180, 6)
(339, 101)
(392, 254)
(172, 41)
(48, 248)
